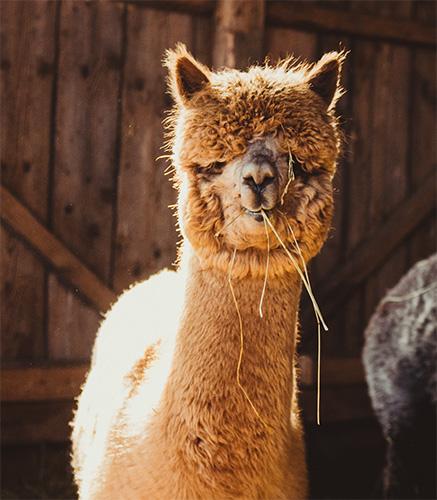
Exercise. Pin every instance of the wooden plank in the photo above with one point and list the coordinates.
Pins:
(198, 7)
(146, 236)
(86, 135)
(281, 42)
(239, 33)
(368, 256)
(72, 323)
(334, 371)
(49, 383)
(65, 263)
(342, 403)
(356, 191)
(333, 251)
(306, 16)
(389, 168)
(423, 126)
(37, 470)
(84, 188)
(28, 31)
(27, 68)
(21, 305)
(423, 240)
(25, 423)
(202, 40)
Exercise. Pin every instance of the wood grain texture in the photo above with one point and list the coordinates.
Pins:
(65, 263)
(239, 33)
(146, 236)
(423, 126)
(27, 73)
(27, 68)
(72, 323)
(333, 251)
(389, 169)
(86, 128)
(83, 195)
(47, 383)
(305, 15)
(357, 189)
(21, 301)
(282, 42)
(332, 16)
(372, 253)
(36, 422)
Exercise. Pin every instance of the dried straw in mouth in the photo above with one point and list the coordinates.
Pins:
(291, 176)
(240, 357)
(228, 224)
(306, 281)
(267, 271)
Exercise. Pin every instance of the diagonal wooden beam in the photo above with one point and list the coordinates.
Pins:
(313, 18)
(378, 246)
(308, 16)
(64, 262)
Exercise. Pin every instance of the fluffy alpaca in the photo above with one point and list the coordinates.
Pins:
(162, 415)
(399, 358)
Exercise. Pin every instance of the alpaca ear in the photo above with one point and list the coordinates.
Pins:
(186, 75)
(324, 78)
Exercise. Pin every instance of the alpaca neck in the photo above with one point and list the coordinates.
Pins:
(204, 372)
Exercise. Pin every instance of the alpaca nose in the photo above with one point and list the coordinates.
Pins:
(258, 176)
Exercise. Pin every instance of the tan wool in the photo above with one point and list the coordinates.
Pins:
(192, 388)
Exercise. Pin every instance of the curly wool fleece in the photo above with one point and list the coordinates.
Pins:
(161, 415)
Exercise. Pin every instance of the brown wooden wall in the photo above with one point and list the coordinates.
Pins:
(84, 199)
(83, 97)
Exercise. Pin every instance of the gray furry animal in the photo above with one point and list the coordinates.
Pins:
(400, 364)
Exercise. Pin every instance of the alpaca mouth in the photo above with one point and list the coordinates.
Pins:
(257, 214)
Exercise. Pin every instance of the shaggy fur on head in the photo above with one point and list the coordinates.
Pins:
(165, 413)
(400, 360)
(293, 104)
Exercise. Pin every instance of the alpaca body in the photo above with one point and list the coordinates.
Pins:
(198, 437)
(174, 407)
(400, 361)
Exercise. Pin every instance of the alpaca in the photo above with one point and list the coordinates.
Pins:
(400, 362)
(192, 388)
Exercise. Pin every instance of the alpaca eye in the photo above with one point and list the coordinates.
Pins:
(295, 167)
(216, 167)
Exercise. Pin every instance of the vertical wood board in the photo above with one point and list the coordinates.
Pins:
(423, 126)
(146, 236)
(28, 33)
(282, 42)
(86, 130)
(21, 301)
(239, 33)
(72, 324)
(85, 161)
(27, 69)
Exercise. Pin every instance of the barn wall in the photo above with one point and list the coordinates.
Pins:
(83, 98)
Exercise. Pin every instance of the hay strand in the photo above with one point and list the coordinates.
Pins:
(240, 357)
(267, 271)
(306, 281)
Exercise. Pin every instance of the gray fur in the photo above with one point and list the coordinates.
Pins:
(400, 363)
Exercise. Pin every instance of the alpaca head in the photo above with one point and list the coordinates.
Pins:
(244, 143)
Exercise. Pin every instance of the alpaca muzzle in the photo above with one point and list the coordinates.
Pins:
(259, 186)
